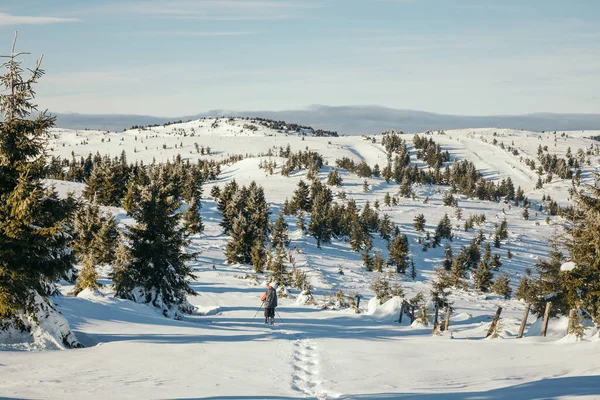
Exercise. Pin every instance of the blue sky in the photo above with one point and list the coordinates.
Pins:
(178, 57)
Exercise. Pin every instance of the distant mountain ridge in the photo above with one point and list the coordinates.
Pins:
(353, 120)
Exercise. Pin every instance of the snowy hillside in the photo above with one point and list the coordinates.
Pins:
(324, 350)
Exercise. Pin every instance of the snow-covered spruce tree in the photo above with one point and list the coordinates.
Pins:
(157, 273)
(34, 236)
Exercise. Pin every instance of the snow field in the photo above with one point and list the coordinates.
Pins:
(222, 352)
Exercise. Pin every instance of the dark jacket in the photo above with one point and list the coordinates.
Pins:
(270, 298)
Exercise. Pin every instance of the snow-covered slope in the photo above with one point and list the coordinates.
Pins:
(223, 352)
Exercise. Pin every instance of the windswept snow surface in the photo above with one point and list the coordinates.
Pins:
(223, 352)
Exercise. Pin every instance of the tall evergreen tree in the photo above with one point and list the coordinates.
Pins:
(582, 284)
(157, 273)
(34, 234)
(320, 227)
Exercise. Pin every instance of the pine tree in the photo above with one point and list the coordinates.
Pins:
(279, 235)
(444, 228)
(277, 266)
(440, 286)
(334, 178)
(157, 273)
(358, 235)
(448, 258)
(496, 263)
(487, 254)
(191, 219)
(320, 226)
(215, 192)
(300, 222)
(378, 261)
(258, 256)
(398, 253)
(501, 286)
(86, 224)
(88, 277)
(367, 258)
(387, 200)
(458, 272)
(386, 227)
(105, 241)
(413, 270)
(483, 278)
(419, 222)
(458, 213)
(238, 249)
(525, 213)
(34, 233)
(405, 187)
(365, 186)
(301, 198)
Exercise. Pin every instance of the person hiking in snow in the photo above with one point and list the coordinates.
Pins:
(269, 298)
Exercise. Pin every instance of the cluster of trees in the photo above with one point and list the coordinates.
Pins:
(245, 217)
(430, 152)
(454, 270)
(329, 219)
(362, 169)
(287, 127)
(573, 288)
(310, 160)
(42, 236)
(107, 178)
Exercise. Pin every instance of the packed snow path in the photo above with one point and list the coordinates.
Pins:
(134, 352)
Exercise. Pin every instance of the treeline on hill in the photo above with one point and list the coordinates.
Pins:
(288, 127)
(107, 178)
(462, 176)
(268, 123)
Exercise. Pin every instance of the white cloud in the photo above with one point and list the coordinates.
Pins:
(8, 19)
